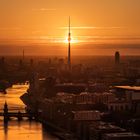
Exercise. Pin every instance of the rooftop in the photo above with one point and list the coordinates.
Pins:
(125, 134)
(136, 88)
(106, 126)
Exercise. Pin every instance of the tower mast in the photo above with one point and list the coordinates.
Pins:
(69, 47)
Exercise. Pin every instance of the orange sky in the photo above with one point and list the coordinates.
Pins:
(25, 22)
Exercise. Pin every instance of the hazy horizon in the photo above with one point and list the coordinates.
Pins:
(76, 50)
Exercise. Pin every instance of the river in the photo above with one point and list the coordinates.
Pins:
(24, 130)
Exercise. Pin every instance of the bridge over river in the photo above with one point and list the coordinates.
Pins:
(15, 113)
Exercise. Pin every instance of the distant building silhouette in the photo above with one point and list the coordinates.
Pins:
(23, 55)
(31, 62)
(2, 63)
(49, 61)
(117, 58)
(20, 64)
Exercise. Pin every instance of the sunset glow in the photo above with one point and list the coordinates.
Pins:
(92, 22)
(73, 41)
(69, 69)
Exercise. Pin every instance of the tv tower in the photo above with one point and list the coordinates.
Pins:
(69, 47)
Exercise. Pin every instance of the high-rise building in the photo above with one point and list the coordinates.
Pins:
(31, 62)
(2, 64)
(23, 54)
(117, 58)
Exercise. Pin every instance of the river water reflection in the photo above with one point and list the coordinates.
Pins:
(24, 130)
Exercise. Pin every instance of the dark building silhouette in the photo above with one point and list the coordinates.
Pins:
(117, 58)
(2, 64)
(20, 64)
(23, 55)
(31, 62)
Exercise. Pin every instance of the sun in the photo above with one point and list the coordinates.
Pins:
(73, 40)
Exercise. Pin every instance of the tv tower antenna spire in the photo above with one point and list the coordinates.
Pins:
(69, 46)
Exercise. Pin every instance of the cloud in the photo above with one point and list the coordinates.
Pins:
(108, 39)
(80, 27)
(44, 9)
(90, 27)
(11, 29)
(75, 39)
